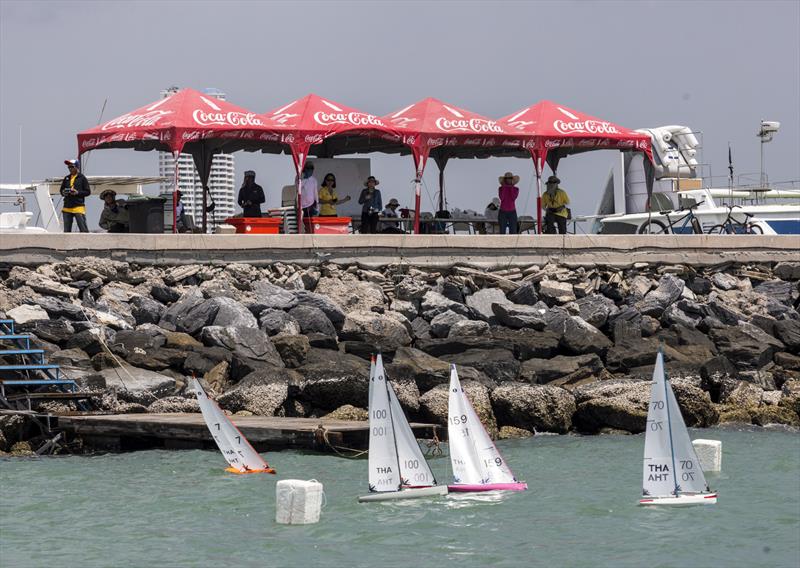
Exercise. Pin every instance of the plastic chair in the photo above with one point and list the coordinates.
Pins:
(525, 224)
(289, 196)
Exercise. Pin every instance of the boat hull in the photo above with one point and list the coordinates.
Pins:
(236, 471)
(466, 488)
(681, 500)
(415, 493)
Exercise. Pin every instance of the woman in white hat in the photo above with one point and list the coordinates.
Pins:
(508, 192)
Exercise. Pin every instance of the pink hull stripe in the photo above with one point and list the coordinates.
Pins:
(522, 486)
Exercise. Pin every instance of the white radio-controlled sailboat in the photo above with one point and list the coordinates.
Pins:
(672, 473)
(477, 464)
(397, 468)
(238, 452)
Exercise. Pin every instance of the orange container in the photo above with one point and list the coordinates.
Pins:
(256, 225)
(328, 225)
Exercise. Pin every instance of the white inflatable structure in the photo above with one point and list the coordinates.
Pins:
(674, 150)
(298, 502)
(709, 452)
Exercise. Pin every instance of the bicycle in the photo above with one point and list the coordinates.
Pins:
(732, 226)
(657, 227)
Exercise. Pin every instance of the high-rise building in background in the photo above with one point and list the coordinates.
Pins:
(220, 183)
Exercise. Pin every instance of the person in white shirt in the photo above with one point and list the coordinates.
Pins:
(491, 215)
(309, 198)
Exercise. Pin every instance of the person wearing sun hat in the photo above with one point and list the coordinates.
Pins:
(508, 193)
(555, 201)
(114, 218)
(74, 189)
(390, 212)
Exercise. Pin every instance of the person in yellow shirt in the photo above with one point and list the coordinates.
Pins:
(555, 201)
(328, 198)
(74, 188)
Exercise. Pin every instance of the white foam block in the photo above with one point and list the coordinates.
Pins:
(298, 502)
(709, 452)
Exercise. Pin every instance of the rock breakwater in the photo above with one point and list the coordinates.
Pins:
(545, 348)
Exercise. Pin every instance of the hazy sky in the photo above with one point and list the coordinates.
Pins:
(718, 67)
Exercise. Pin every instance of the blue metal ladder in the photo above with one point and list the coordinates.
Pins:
(37, 374)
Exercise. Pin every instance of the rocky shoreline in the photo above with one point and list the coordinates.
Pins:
(540, 348)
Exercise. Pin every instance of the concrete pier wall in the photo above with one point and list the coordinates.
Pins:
(485, 251)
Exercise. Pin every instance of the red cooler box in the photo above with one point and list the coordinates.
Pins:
(256, 225)
(327, 225)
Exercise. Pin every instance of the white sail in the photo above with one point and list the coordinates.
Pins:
(237, 451)
(671, 466)
(384, 468)
(414, 470)
(473, 455)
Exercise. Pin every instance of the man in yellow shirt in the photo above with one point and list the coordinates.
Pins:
(555, 201)
(74, 189)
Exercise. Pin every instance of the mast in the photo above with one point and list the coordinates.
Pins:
(391, 420)
(669, 425)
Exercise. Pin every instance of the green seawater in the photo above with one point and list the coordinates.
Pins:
(179, 508)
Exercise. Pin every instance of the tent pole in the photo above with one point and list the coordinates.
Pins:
(417, 193)
(538, 195)
(175, 155)
(441, 189)
(300, 164)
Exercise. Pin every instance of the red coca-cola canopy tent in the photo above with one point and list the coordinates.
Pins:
(186, 121)
(434, 128)
(557, 131)
(553, 131)
(173, 122)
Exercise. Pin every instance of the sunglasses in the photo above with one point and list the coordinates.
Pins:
(330, 179)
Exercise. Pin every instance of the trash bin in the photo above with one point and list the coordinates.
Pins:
(146, 215)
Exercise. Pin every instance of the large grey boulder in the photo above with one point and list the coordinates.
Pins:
(455, 345)
(312, 320)
(27, 313)
(542, 408)
(330, 308)
(787, 270)
(481, 303)
(746, 344)
(351, 294)
(469, 328)
(134, 382)
(427, 371)
(433, 303)
(270, 296)
(59, 308)
(525, 294)
(245, 341)
(565, 369)
(333, 379)
(175, 316)
(262, 392)
(776, 289)
(382, 330)
(527, 343)
(293, 349)
(669, 290)
(520, 316)
(441, 324)
(146, 310)
(581, 337)
(273, 322)
(788, 331)
(408, 309)
(53, 330)
(554, 292)
(596, 309)
(231, 313)
(497, 364)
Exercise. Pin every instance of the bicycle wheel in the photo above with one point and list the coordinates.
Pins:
(654, 227)
(753, 229)
(718, 230)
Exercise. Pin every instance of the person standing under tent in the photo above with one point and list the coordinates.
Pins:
(328, 198)
(508, 193)
(490, 214)
(114, 218)
(309, 198)
(251, 196)
(371, 205)
(555, 201)
(74, 189)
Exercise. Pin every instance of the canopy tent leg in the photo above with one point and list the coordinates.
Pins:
(177, 156)
(420, 157)
(299, 159)
(441, 162)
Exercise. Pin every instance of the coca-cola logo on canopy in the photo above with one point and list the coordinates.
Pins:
(231, 118)
(136, 120)
(468, 125)
(585, 126)
(354, 118)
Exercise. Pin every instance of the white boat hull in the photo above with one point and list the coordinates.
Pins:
(681, 500)
(414, 493)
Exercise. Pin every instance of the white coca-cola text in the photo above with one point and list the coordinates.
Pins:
(471, 125)
(231, 118)
(354, 118)
(136, 120)
(588, 126)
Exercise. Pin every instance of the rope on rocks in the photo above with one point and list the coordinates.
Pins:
(434, 447)
(321, 436)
